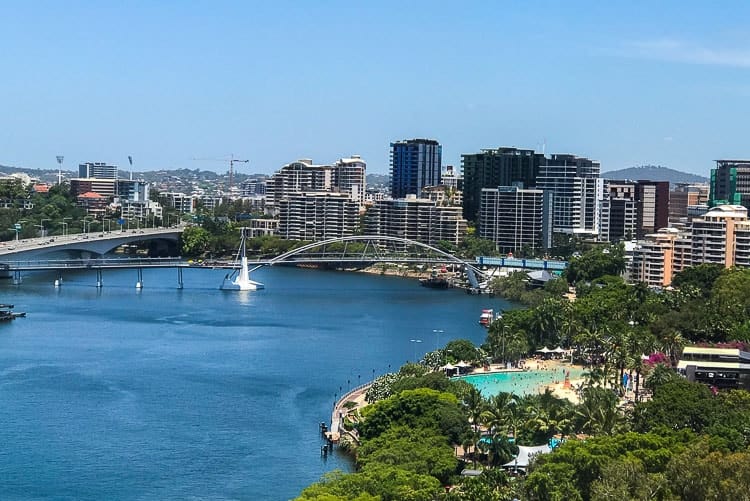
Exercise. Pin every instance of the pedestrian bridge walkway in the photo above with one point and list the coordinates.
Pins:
(513, 262)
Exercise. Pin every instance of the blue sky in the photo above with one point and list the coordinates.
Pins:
(626, 83)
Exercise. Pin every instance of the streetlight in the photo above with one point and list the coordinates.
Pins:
(87, 225)
(437, 341)
(60, 159)
(41, 225)
(415, 341)
(65, 225)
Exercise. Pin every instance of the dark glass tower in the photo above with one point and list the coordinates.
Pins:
(415, 163)
(496, 167)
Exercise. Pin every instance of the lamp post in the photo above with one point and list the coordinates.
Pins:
(437, 340)
(86, 225)
(60, 159)
(65, 225)
(415, 342)
(41, 225)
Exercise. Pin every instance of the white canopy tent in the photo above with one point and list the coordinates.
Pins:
(525, 455)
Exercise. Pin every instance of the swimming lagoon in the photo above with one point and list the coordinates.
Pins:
(520, 382)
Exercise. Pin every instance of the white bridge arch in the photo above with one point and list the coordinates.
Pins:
(373, 251)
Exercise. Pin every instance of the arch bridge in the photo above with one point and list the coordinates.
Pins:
(362, 250)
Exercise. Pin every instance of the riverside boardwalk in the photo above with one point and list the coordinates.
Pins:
(356, 395)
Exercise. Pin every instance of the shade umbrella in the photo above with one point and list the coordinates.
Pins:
(559, 350)
(544, 350)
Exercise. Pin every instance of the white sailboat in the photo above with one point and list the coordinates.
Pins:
(239, 279)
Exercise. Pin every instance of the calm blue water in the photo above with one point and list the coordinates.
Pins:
(198, 393)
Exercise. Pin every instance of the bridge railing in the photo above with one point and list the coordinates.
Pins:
(90, 263)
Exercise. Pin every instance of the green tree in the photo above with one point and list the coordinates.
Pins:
(597, 412)
(461, 349)
(627, 479)
(421, 451)
(596, 263)
(555, 483)
(194, 241)
(420, 408)
(678, 404)
(375, 482)
(703, 474)
(701, 277)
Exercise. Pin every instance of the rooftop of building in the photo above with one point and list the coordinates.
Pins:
(417, 141)
(90, 195)
(727, 211)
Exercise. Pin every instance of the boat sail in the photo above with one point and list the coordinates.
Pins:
(239, 279)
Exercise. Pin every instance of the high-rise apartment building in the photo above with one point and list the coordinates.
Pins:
(491, 168)
(99, 170)
(415, 163)
(349, 177)
(253, 188)
(578, 192)
(515, 218)
(659, 256)
(713, 235)
(619, 214)
(730, 183)
(317, 216)
(686, 195)
(346, 176)
(721, 236)
(653, 206)
(451, 178)
(416, 219)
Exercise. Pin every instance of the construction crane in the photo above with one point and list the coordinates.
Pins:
(231, 161)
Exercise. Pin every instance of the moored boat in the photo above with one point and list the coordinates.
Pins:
(486, 318)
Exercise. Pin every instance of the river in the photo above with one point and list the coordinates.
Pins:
(161, 393)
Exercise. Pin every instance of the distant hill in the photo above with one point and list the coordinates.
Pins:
(654, 173)
(44, 175)
(378, 180)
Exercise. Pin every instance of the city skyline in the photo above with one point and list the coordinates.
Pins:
(624, 85)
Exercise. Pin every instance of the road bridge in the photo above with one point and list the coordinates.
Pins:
(82, 245)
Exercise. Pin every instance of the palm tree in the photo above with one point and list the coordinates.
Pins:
(499, 449)
(672, 343)
(498, 411)
(661, 374)
(638, 343)
(475, 405)
(597, 413)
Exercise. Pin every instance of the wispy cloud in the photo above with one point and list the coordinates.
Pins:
(683, 52)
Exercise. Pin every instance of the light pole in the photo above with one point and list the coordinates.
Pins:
(415, 342)
(65, 225)
(86, 225)
(41, 225)
(60, 159)
(437, 340)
